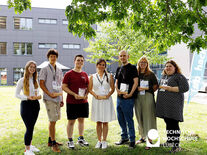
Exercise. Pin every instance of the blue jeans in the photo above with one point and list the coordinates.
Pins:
(125, 117)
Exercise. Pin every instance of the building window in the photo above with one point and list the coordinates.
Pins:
(2, 22)
(2, 48)
(157, 69)
(47, 21)
(71, 46)
(3, 78)
(18, 73)
(47, 45)
(22, 23)
(65, 22)
(23, 48)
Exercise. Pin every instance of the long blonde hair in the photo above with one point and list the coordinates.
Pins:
(26, 77)
(147, 69)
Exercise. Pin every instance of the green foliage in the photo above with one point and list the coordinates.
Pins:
(19, 5)
(111, 40)
(169, 21)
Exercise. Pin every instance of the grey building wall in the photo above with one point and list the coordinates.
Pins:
(40, 33)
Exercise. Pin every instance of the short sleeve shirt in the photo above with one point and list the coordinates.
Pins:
(75, 80)
(170, 104)
(49, 74)
(126, 74)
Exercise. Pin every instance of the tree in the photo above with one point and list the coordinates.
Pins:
(111, 40)
(168, 21)
(19, 5)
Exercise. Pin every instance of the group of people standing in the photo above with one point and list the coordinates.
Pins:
(135, 88)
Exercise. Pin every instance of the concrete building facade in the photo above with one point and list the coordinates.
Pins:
(28, 36)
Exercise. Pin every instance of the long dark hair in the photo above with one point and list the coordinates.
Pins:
(105, 72)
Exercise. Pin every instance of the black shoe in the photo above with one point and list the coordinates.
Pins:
(122, 141)
(132, 145)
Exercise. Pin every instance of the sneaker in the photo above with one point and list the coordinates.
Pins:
(28, 152)
(122, 141)
(55, 148)
(82, 142)
(132, 145)
(71, 145)
(98, 145)
(175, 149)
(104, 145)
(34, 149)
(50, 143)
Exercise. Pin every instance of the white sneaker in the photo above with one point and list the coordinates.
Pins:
(28, 152)
(82, 142)
(71, 145)
(104, 145)
(98, 145)
(34, 149)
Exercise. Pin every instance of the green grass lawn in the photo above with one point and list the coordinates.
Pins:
(12, 131)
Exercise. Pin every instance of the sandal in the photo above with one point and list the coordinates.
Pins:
(141, 140)
(147, 148)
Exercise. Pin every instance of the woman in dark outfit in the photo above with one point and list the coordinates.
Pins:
(170, 102)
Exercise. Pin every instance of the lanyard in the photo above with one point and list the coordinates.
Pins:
(53, 72)
(101, 82)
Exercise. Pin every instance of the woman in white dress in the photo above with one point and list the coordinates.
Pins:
(101, 86)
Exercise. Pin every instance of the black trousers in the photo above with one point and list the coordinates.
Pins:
(29, 111)
(173, 131)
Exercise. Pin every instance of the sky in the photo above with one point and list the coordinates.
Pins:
(59, 4)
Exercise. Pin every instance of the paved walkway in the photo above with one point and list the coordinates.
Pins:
(200, 98)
